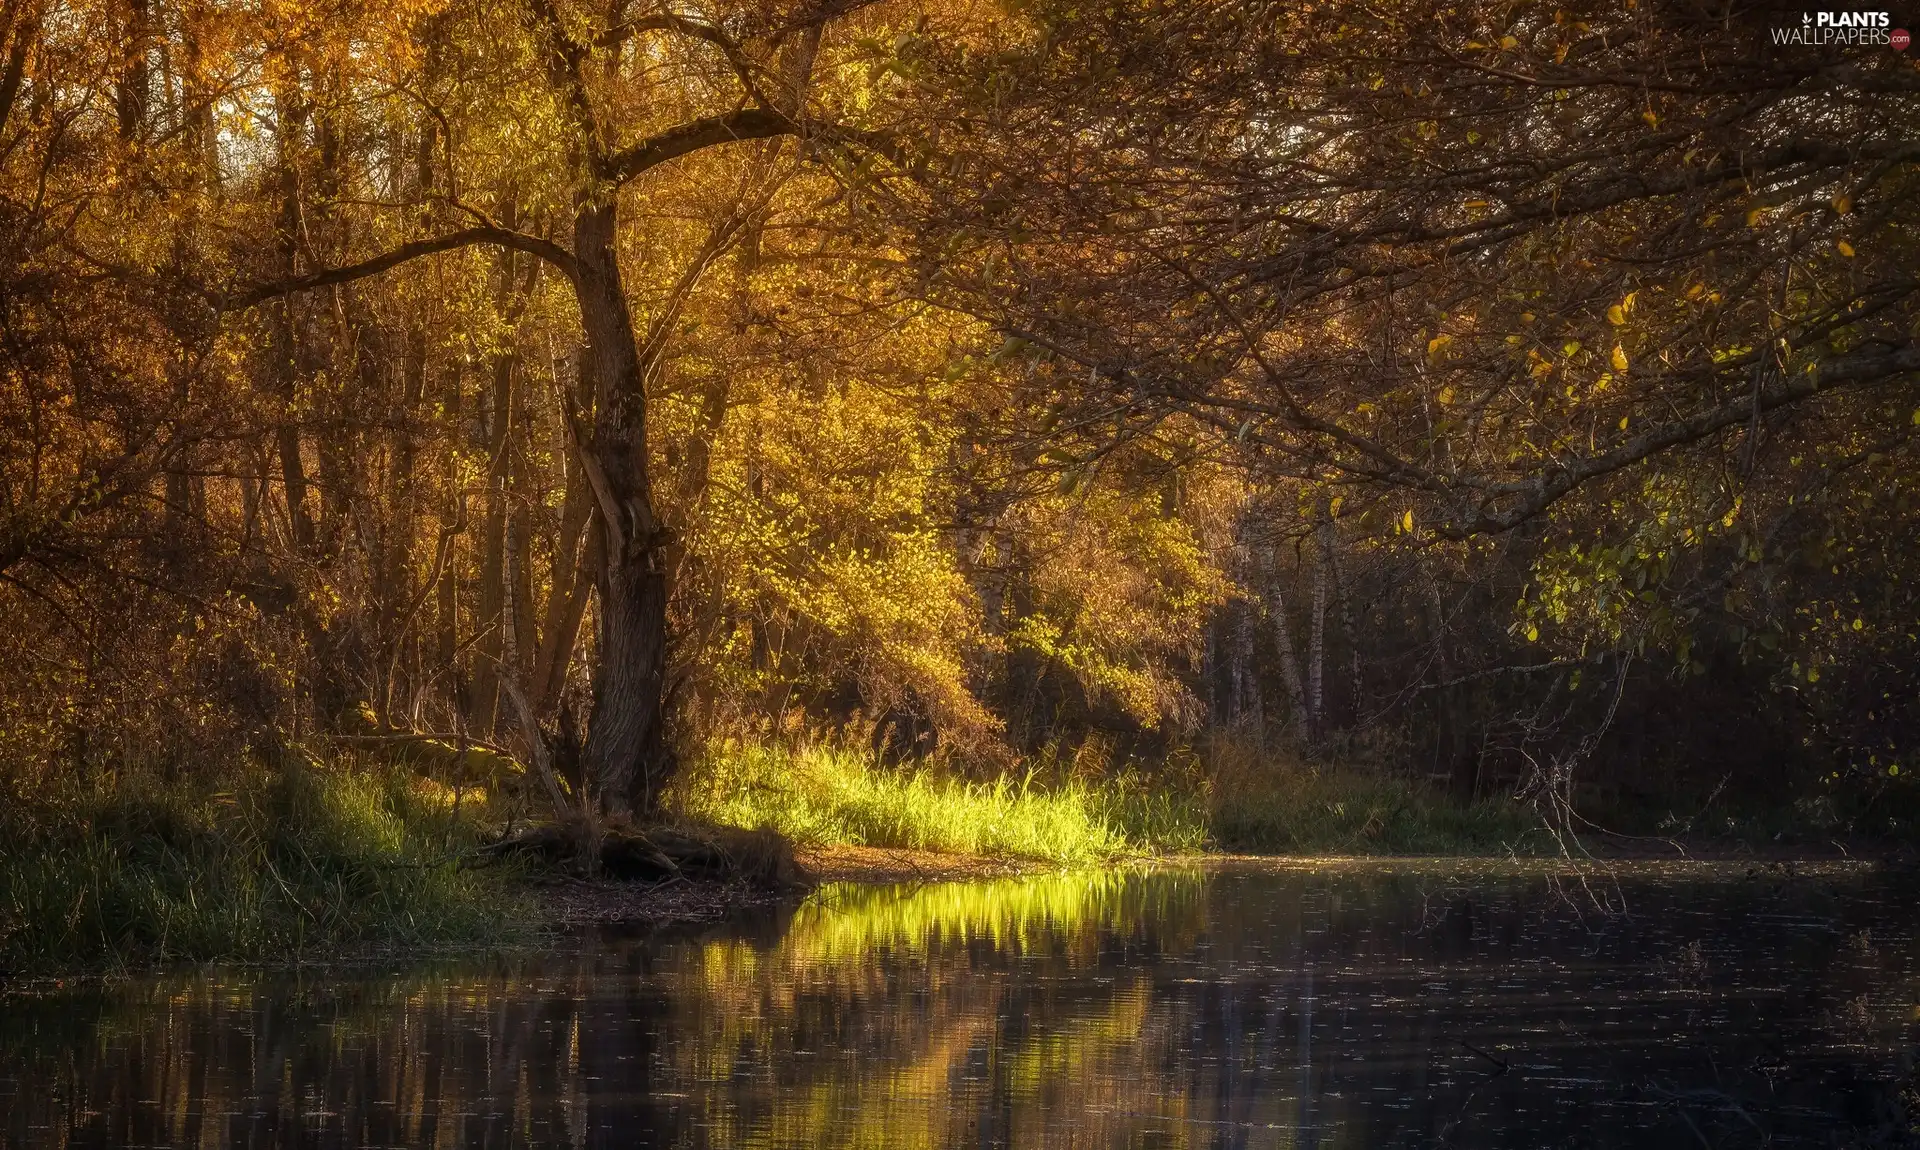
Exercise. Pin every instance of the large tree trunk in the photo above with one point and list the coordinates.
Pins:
(627, 757)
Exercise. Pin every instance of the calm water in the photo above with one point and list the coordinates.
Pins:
(1344, 1007)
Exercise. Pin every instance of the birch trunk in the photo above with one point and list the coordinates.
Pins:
(1289, 660)
(1248, 706)
(1317, 649)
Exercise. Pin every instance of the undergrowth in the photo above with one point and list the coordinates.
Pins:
(297, 860)
(833, 795)
(1359, 813)
(826, 794)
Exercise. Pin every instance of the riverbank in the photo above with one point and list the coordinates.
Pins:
(347, 856)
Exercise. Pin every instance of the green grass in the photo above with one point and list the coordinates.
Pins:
(299, 861)
(831, 795)
(825, 795)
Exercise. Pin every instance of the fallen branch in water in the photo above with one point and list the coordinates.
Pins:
(1499, 1062)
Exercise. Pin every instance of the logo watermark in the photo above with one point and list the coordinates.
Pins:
(1844, 29)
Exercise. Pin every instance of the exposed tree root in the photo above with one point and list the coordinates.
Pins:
(668, 850)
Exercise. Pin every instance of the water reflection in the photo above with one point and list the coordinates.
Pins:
(1345, 1007)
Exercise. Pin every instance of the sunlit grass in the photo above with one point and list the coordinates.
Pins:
(1238, 800)
(828, 795)
(297, 860)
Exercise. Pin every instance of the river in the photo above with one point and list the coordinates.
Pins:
(1243, 1005)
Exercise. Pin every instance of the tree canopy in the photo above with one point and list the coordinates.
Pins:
(594, 381)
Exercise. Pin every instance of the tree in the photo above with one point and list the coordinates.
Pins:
(592, 75)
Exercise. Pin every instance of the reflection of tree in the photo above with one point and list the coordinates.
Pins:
(1121, 1009)
(441, 1057)
(1010, 1021)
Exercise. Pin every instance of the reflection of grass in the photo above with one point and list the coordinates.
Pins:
(828, 795)
(299, 860)
(847, 921)
(843, 928)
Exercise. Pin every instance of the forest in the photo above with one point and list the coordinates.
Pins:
(1049, 428)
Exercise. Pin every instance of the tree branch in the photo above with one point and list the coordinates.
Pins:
(1842, 371)
(743, 66)
(547, 250)
(694, 135)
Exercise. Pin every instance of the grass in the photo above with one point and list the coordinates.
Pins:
(830, 795)
(826, 795)
(1359, 813)
(298, 860)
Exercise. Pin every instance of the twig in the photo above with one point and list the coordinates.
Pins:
(1499, 1062)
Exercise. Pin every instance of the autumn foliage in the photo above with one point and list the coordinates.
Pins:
(1484, 392)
